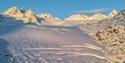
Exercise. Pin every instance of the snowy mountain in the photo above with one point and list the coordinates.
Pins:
(27, 16)
(77, 17)
(85, 17)
(14, 11)
(48, 17)
(98, 16)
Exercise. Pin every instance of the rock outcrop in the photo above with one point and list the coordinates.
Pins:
(111, 33)
(29, 16)
(113, 13)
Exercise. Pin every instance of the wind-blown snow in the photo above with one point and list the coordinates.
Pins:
(47, 44)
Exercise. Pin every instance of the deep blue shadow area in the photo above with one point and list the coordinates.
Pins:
(9, 24)
(8, 28)
(4, 53)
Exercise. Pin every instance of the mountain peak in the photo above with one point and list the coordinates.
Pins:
(113, 13)
(29, 16)
(29, 11)
(12, 10)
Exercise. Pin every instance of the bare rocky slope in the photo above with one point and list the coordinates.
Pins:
(111, 33)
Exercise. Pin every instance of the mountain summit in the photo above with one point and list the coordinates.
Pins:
(113, 13)
(27, 16)
(14, 11)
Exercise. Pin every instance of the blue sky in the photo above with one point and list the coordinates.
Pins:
(64, 8)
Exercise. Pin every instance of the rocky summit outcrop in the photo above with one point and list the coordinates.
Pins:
(111, 33)
(113, 13)
(29, 16)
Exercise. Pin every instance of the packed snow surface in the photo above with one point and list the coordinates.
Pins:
(47, 44)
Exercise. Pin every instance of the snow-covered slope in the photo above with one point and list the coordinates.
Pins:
(23, 42)
(47, 44)
(9, 19)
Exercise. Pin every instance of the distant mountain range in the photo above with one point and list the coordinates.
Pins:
(28, 16)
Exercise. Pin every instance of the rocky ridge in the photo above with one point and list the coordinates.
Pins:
(111, 33)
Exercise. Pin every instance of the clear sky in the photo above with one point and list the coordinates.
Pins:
(64, 8)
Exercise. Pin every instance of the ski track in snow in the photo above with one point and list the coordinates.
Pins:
(49, 44)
